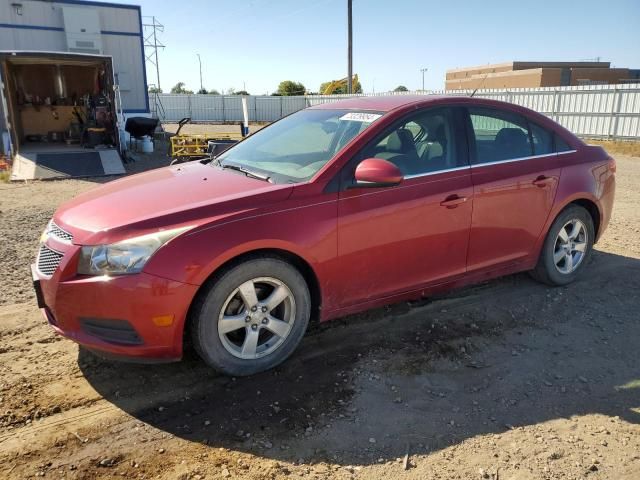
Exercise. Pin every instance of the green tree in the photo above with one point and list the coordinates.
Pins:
(241, 92)
(179, 88)
(155, 90)
(213, 91)
(342, 88)
(401, 88)
(203, 91)
(289, 87)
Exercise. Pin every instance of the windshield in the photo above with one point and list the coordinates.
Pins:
(296, 147)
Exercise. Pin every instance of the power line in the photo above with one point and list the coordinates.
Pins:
(151, 44)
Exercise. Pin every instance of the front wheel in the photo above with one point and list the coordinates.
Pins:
(252, 318)
(567, 247)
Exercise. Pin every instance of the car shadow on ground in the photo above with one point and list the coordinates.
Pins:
(484, 359)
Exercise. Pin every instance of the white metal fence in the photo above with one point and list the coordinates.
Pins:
(596, 111)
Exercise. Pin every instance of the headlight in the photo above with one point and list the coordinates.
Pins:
(45, 233)
(126, 257)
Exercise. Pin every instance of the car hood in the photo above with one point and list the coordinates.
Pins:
(190, 194)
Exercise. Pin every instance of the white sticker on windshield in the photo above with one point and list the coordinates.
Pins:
(361, 117)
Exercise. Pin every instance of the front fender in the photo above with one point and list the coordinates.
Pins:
(308, 231)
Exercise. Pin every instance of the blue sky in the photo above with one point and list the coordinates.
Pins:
(258, 43)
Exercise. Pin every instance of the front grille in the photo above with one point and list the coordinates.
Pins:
(63, 235)
(48, 260)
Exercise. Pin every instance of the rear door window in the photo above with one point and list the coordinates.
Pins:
(542, 140)
(561, 145)
(499, 135)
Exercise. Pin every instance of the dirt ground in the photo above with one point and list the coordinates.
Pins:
(509, 379)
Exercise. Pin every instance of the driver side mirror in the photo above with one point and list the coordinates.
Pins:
(376, 172)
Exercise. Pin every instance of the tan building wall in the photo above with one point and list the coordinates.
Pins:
(518, 79)
(601, 75)
(533, 75)
(460, 73)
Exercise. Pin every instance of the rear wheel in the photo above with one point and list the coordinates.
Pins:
(252, 318)
(567, 247)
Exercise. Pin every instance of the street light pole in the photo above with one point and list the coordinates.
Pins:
(423, 70)
(350, 49)
(200, 62)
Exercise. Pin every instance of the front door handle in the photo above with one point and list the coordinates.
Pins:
(452, 201)
(542, 181)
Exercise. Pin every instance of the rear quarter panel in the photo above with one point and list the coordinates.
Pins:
(586, 175)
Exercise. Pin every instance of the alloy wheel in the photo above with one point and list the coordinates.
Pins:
(570, 246)
(256, 318)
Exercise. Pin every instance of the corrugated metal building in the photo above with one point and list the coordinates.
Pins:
(82, 27)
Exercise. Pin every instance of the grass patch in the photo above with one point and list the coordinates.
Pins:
(622, 148)
(4, 176)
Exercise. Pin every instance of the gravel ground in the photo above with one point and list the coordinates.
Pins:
(509, 379)
(205, 128)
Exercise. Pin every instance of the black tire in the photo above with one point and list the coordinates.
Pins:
(206, 311)
(546, 271)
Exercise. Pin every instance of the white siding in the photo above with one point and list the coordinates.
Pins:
(128, 61)
(603, 111)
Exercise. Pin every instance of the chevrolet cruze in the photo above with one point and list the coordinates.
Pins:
(332, 210)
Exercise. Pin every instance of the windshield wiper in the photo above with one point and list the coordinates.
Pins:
(246, 171)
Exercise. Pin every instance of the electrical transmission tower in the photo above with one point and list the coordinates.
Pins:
(151, 44)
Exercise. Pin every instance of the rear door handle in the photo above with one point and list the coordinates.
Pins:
(542, 181)
(452, 201)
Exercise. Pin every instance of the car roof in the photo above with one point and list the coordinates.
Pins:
(384, 103)
(388, 103)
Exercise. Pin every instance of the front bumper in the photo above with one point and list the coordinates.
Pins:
(139, 316)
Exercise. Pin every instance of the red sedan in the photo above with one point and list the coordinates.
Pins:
(332, 210)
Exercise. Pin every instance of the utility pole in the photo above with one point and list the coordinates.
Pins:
(151, 44)
(423, 70)
(350, 48)
(200, 62)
